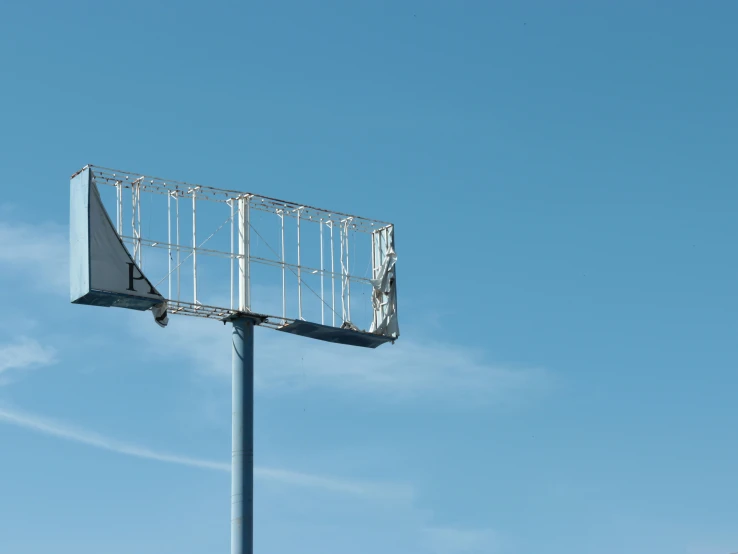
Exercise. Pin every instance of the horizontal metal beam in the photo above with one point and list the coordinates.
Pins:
(272, 321)
(221, 254)
(156, 185)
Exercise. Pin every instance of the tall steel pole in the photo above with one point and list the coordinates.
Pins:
(242, 437)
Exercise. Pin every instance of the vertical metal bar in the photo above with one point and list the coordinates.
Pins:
(284, 284)
(348, 272)
(138, 217)
(230, 203)
(374, 274)
(194, 246)
(343, 283)
(121, 210)
(133, 220)
(119, 207)
(169, 244)
(299, 268)
(179, 244)
(384, 245)
(244, 260)
(248, 253)
(322, 302)
(333, 280)
(242, 437)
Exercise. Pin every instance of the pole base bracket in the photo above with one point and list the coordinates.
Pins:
(257, 319)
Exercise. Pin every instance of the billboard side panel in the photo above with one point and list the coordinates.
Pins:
(102, 271)
(79, 236)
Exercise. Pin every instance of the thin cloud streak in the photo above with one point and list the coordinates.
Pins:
(25, 353)
(387, 491)
(443, 540)
(52, 428)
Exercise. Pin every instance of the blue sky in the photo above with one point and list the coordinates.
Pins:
(562, 177)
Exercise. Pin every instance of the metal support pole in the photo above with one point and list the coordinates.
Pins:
(242, 438)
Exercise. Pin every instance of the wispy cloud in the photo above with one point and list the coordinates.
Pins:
(388, 491)
(446, 540)
(39, 251)
(60, 430)
(56, 429)
(412, 367)
(24, 353)
(402, 497)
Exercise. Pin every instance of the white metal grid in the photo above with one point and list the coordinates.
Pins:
(251, 222)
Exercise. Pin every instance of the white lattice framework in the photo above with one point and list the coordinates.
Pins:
(323, 266)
